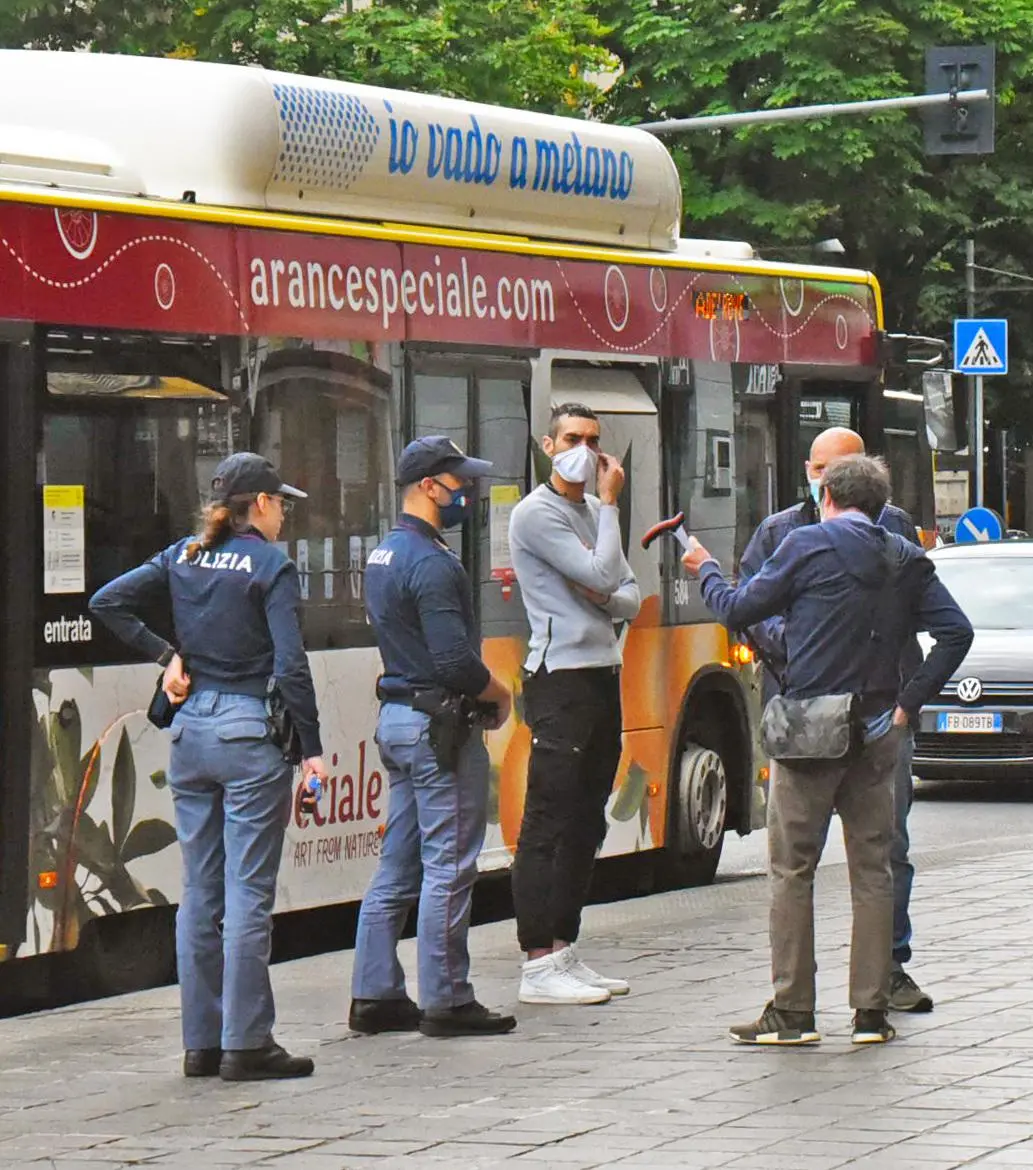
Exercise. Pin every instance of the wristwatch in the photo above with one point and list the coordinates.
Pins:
(166, 656)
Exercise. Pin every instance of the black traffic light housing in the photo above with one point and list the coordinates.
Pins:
(960, 127)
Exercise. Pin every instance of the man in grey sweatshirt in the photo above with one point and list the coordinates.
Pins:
(575, 583)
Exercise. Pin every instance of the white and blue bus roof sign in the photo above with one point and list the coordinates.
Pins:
(980, 345)
(978, 526)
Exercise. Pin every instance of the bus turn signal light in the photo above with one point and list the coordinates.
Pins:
(741, 655)
(48, 880)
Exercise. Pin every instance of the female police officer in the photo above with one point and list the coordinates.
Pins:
(234, 603)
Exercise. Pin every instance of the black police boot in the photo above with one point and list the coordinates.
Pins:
(371, 1016)
(201, 1062)
(471, 1019)
(263, 1064)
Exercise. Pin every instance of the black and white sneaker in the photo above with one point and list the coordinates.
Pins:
(906, 995)
(872, 1027)
(777, 1027)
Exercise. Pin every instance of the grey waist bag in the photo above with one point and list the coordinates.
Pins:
(823, 728)
(827, 727)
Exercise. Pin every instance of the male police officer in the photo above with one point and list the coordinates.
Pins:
(419, 603)
(905, 994)
(852, 595)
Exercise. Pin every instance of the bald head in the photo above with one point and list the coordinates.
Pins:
(832, 444)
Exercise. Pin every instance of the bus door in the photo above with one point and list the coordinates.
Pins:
(17, 622)
(625, 399)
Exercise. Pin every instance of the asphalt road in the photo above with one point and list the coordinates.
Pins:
(944, 815)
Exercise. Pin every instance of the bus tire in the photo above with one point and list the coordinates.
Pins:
(696, 816)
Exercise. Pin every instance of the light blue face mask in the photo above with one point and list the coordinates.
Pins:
(815, 486)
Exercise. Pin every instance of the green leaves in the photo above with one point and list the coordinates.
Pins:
(146, 838)
(66, 837)
(866, 180)
(630, 795)
(123, 789)
(65, 740)
(534, 54)
(494, 777)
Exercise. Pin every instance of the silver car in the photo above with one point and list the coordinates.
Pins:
(981, 725)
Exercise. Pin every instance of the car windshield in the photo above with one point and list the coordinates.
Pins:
(996, 593)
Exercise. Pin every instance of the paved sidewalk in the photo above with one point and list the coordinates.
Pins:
(648, 1082)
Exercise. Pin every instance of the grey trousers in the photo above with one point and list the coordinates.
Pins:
(799, 811)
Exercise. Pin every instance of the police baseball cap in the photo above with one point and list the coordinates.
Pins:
(247, 474)
(436, 455)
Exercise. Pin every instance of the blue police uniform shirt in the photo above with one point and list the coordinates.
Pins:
(235, 610)
(420, 606)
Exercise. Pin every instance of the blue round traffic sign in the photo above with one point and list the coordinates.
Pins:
(978, 525)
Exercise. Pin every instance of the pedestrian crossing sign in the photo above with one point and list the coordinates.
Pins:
(980, 346)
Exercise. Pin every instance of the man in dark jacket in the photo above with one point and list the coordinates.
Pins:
(905, 994)
(852, 595)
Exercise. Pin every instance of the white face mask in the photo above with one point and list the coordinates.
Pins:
(577, 464)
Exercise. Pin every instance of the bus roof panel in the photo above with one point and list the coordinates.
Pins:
(230, 136)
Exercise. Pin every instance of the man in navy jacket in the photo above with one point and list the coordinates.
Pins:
(846, 625)
(767, 639)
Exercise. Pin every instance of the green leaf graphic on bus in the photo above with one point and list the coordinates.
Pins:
(79, 863)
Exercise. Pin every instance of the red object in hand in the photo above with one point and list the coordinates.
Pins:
(674, 526)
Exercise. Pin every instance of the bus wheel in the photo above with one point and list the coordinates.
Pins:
(699, 804)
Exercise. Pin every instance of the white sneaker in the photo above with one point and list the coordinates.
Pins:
(568, 960)
(543, 981)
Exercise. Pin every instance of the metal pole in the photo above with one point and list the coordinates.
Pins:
(829, 109)
(979, 440)
(975, 387)
(1004, 476)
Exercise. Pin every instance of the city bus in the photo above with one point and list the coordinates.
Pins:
(197, 259)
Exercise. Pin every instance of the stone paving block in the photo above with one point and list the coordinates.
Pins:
(890, 1160)
(1004, 1132)
(922, 1149)
(370, 1147)
(1020, 1154)
(768, 1161)
(830, 1147)
(667, 1160)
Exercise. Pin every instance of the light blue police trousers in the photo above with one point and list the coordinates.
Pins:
(231, 791)
(428, 856)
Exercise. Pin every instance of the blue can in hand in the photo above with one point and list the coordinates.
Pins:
(312, 790)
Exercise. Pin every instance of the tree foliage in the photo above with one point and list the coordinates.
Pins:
(538, 54)
(867, 180)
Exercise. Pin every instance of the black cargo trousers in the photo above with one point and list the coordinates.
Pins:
(575, 722)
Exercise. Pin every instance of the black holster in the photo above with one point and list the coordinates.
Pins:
(450, 724)
(282, 731)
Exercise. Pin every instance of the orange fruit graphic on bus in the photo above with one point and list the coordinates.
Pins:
(513, 784)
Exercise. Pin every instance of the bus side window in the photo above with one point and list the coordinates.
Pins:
(323, 416)
(503, 435)
(441, 407)
(131, 428)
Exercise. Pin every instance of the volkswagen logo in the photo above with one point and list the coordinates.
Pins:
(969, 690)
